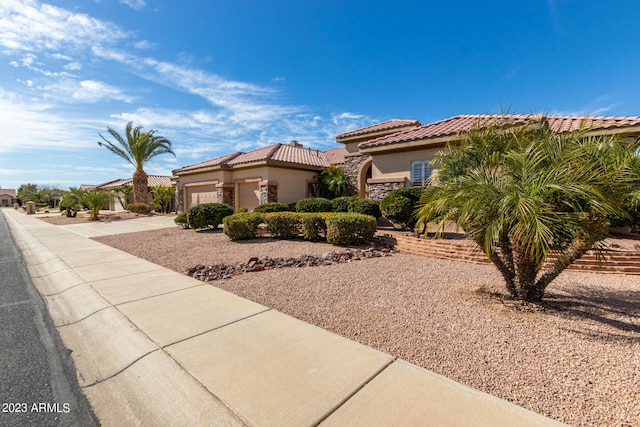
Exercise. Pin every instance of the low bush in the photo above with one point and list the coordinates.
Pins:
(208, 215)
(342, 204)
(138, 208)
(399, 205)
(350, 228)
(283, 225)
(366, 207)
(182, 220)
(241, 210)
(242, 226)
(272, 207)
(314, 204)
(314, 226)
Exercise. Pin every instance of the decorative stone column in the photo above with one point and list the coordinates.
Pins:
(226, 194)
(268, 192)
(352, 166)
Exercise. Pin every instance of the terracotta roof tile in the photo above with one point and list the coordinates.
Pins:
(335, 156)
(379, 127)
(153, 180)
(218, 161)
(466, 122)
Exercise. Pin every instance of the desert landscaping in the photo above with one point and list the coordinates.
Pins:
(573, 358)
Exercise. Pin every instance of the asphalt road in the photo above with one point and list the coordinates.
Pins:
(38, 384)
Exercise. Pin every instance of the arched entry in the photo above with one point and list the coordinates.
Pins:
(364, 173)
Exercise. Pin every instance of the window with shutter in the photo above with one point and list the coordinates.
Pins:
(420, 171)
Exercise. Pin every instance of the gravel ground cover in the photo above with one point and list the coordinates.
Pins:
(576, 358)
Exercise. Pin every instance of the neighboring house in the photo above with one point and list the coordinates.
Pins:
(398, 153)
(8, 197)
(282, 173)
(116, 202)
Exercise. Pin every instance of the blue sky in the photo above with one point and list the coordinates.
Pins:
(217, 76)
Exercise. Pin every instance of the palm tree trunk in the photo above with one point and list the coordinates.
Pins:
(140, 187)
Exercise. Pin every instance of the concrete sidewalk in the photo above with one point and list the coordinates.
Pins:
(154, 347)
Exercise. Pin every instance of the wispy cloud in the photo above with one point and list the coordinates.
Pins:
(135, 4)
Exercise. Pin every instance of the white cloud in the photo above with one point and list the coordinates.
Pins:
(29, 26)
(86, 91)
(135, 4)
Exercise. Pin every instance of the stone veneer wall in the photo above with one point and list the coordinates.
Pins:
(351, 168)
(179, 199)
(268, 193)
(225, 194)
(377, 191)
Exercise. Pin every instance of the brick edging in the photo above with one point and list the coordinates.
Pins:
(612, 261)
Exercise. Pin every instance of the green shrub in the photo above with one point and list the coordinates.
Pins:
(399, 205)
(242, 210)
(292, 206)
(272, 207)
(342, 204)
(283, 225)
(366, 207)
(242, 226)
(182, 220)
(313, 225)
(138, 208)
(350, 228)
(314, 204)
(208, 215)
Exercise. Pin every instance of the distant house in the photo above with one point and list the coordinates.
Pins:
(116, 203)
(8, 197)
(398, 153)
(282, 173)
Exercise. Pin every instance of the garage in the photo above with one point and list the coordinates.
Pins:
(199, 194)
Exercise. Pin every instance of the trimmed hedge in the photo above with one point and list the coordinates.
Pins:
(399, 205)
(272, 207)
(138, 208)
(366, 207)
(314, 225)
(242, 226)
(350, 229)
(283, 225)
(343, 204)
(314, 204)
(208, 215)
(182, 220)
(338, 228)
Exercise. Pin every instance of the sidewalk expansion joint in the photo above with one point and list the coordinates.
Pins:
(80, 320)
(150, 296)
(121, 370)
(217, 327)
(356, 391)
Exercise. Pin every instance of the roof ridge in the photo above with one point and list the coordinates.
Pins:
(273, 150)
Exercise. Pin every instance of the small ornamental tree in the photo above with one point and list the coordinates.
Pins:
(521, 191)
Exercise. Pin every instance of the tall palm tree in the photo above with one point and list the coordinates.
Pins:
(137, 147)
(524, 192)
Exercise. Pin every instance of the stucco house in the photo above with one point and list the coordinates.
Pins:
(8, 197)
(280, 172)
(397, 153)
(116, 202)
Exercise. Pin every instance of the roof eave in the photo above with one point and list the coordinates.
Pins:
(412, 145)
(373, 135)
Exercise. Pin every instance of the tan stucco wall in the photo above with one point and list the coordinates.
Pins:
(398, 164)
(292, 184)
(6, 201)
(352, 147)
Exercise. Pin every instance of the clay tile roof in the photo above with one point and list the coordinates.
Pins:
(152, 180)
(388, 125)
(283, 153)
(218, 161)
(8, 192)
(335, 156)
(466, 122)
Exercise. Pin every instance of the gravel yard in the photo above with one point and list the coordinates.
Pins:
(575, 359)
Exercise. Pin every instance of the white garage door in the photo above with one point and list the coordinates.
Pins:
(248, 195)
(199, 194)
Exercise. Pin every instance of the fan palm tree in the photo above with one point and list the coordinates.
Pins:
(521, 192)
(137, 147)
